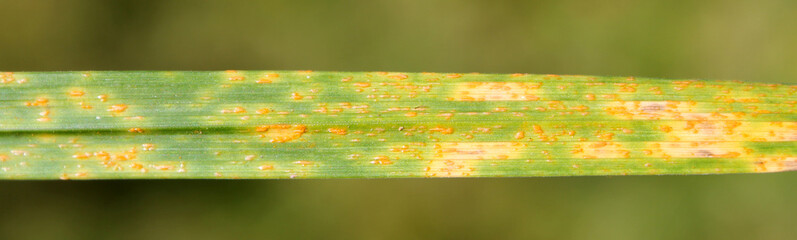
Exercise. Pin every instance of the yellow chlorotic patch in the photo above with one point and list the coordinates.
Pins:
(775, 164)
(589, 150)
(497, 91)
(280, 133)
(702, 130)
(669, 150)
(452, 159)
(769, 131)
(665, 110)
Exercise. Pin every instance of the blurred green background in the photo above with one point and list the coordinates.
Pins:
(749, 40)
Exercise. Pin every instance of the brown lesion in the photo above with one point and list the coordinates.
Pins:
(280, 133)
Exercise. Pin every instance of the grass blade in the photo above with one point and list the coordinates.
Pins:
(302, 124)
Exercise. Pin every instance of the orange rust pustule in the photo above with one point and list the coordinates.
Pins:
(148, 147)
(398, 76)
(338, 131)
(454, 75)
(381, 160)
(442, 130)
(117, 108)
(238, 109)
(296, 96)
(280, 133)
(362, 84)
(520, 135)
(110, 160)
(304, 163)
(39, 102)
(263, 111)
(76, 93)
(7, 77)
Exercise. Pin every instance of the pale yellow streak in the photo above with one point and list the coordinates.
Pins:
(701, 130)
(669, 150)
(600, 150)
(452, 159)
(497, 91)
(776, 164)
(665, 110)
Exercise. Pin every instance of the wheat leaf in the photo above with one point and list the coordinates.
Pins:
(302, 124)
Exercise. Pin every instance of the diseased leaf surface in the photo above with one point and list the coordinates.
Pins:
(302, 124)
